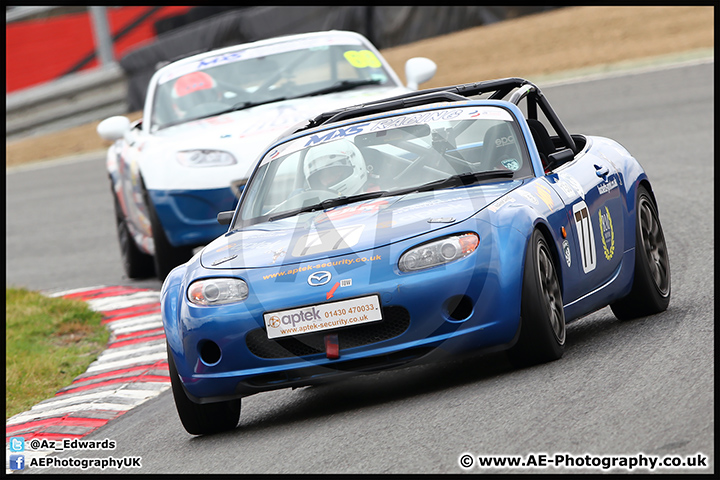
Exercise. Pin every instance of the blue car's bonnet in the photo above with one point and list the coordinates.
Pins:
(346, 229)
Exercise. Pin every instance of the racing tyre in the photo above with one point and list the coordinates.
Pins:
(650, 291)
(166, 255)
(542, 319)
(201, 419)
(135, 263)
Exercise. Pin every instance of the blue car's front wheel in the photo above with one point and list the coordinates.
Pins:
(201, 419)
(542, 318)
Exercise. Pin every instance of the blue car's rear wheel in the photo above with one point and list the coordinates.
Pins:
(135, 263)
(542, 322)
(201, 419)
(651, 284)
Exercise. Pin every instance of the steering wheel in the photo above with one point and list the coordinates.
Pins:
(282, 72)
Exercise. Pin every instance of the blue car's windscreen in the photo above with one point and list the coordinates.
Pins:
(418, 151)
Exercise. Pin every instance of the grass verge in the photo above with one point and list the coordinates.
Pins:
(49, 342)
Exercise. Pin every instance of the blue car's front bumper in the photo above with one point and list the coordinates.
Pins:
(468, 305)
(189, 217)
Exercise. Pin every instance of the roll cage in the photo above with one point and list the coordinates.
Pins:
(512, 90)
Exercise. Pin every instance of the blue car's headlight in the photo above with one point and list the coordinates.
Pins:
(438, 252)
(205, 158)
(217, 291)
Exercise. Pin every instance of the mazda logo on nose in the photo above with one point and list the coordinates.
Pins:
(319, 278)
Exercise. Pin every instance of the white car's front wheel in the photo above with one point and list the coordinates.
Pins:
(135, 263)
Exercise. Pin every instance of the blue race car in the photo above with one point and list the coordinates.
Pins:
(441, 221)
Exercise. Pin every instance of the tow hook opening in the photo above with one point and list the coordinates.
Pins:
(210, 353)
(458, 308)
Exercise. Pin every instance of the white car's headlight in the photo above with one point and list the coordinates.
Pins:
(438, 252)
(205, 158)
(217, 291)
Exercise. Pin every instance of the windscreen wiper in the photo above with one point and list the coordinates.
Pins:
(454, 181)
(332, 202)
(237, 106)
(463, 179)
(242, 106)
(249, 104)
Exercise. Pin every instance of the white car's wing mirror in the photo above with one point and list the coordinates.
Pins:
(113, 128)
(419, 70)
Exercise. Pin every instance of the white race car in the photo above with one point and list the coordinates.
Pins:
(207, 118)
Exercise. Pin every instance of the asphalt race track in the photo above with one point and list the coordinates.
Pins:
(638, 389)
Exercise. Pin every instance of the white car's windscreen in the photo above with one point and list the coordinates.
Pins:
(263, 75)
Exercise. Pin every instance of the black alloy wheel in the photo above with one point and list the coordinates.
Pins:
(542, 317)
(650, 292)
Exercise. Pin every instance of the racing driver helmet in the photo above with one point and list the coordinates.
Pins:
(336, 166)
(194, 89)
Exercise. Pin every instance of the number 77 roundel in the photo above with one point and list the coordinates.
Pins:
(586, 238)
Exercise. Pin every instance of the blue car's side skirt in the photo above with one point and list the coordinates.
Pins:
(615, 288)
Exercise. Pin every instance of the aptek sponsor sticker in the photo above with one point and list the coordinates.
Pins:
(324, 316)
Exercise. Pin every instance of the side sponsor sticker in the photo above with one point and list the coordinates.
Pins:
(528, 196)
(607, 186)
(566, 252)
(607, 233)
(544, 193)
(495, 206)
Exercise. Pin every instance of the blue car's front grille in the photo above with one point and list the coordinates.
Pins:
(395, 321)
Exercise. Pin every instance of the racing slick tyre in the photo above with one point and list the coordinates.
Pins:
(542, 319)
(135, 263)
(650, 291)
(201, 419)
(166, 255)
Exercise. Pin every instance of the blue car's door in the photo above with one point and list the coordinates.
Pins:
(590, 187)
